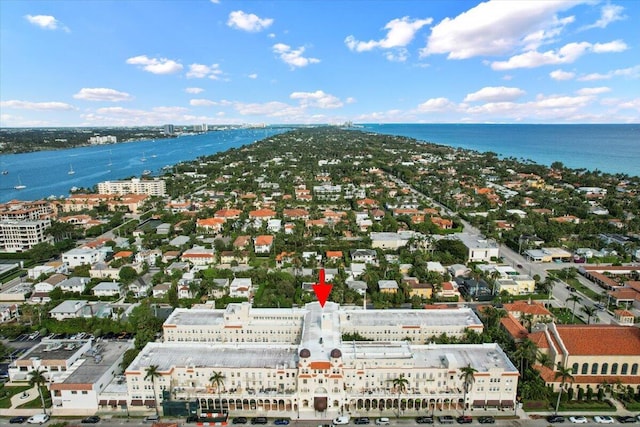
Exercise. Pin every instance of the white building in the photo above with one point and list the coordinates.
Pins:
(479, 249)
(240, 287)
(80, 256)
(20, 236)
(294, 361)
(107, 289)
(150, 187)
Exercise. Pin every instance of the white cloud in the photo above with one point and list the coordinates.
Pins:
(496, 28)
(634, 104)
(562, 75)
(495, 94)
(215, 1)
(248, 21)
(118, 116)
(317, 99)
(269, 109)
(253, 76)
(614, 46)
(588, 91)
(46, 22)
(435, 105)
(194, 90)
(567, 54)
(200, 71)
(293, 57)
(156, 65)
(39, 106)
(102, 94)
(608, 14)
(400, 32)
(202, 103)
(631, 72)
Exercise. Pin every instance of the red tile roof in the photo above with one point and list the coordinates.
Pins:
(264, 240)
(600, 339)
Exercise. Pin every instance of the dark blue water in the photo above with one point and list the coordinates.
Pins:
(608, 148)
(46, 173)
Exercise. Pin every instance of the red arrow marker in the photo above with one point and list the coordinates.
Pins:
(322, 289)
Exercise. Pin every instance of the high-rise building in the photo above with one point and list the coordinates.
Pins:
(169, 129)
(151, 187)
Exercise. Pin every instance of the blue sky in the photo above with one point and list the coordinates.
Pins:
(111, 63)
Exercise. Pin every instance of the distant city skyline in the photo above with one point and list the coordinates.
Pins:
(135, 63)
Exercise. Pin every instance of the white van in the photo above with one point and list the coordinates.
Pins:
(342, 420)
(38, 419)
(384, 421)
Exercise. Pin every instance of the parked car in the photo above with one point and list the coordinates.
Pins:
(93, 419)
(259, 420)
(239, 420)
(362, 421)
(625, 419)
(578, 419)
(487, 419)
(555, 418)
(281, 421)
(342, 420)
(424, 420)
(383, 421)
(464, 419)
(192, 419)
(151, 419)
(38, 419)
(603, 419)
(446, 419)
(18, 420)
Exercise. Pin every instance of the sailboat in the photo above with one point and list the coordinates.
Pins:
(20, 185)
(110, 161)
(71, 171)
(143, 158)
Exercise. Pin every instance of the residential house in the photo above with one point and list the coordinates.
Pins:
(107, 289)
(8, 312)
(184, 292)
(74, 284)
(80, 256)
(71, 309)
(367, 256)
(240, 288)
(478, 249)
(263, 244)
(388, 286)
(210, 225)
(160, 290)
(199, 255)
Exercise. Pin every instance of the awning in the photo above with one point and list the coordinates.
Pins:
(122, 402)
(102, 402)
(113, 403)
(150, 402)
(493, 403)
(507, 403)
(479, 403)
(136, 402)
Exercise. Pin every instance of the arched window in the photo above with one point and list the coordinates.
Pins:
(605, 369)
(574, 369)
(594, 369)
(585, 368)
(625, 368)
(634, 369)
(614, 369)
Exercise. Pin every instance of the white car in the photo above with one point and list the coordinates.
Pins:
(38, 419)
(578, 420)
(603, 419)
(341, 420)
(384, 421)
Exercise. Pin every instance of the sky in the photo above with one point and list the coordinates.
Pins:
(145, 62)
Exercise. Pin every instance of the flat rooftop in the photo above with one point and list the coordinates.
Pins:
(245, 355)
(91, 370)
(443, 317)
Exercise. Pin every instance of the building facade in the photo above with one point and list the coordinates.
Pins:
(296, 361)
(20, 236)
(154, 187)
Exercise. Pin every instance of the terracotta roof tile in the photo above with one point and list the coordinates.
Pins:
(600, 339)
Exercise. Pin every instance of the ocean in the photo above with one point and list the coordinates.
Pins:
(608, 148)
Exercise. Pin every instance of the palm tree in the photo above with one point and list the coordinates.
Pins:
(565, 375)
(544, 359)
(590, 311)
(576, 299)
(152, 374)
(217, 380)
(467, 376)
(526, 351)
(400, 384)
(37, 378)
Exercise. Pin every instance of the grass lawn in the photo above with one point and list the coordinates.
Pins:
(586, 291)
(7, 392)
(586, 405)
(564, 316)
(631, 406)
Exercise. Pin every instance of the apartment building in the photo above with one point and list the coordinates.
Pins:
(296, 361)
(150, 187)
(20, 236)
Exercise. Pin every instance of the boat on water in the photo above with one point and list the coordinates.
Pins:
(71, 171)
(20, 185)
(143, 158)
(5, 172)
